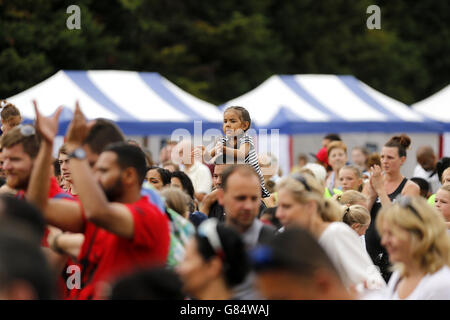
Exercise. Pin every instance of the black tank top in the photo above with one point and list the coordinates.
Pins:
(376, 251)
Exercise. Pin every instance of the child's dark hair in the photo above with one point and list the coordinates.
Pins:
(401, 142)
(243, 114)
(165, 174)
(186, 182)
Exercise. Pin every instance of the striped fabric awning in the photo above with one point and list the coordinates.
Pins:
(298, 104)
(141, 103)
(436, 107)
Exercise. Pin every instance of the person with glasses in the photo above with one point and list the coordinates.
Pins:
(385, 184)
(301, 204)
(215, 261)
(416, 238)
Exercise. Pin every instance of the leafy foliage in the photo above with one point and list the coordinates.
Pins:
(218, 50)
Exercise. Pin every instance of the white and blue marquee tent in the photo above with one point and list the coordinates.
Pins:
(141, 103)
(437, 107)
(310, 103)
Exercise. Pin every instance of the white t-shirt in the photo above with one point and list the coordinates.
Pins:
(343, 246)
(434, 182)
(434, 286)
(200, 176)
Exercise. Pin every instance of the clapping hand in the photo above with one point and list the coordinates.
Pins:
(78, 128)
(47, 127)
(376, 178)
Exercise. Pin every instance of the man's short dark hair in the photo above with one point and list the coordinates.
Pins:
(157, 283)
(23, 215)
(102, 133)
(333, 137)
(23, 261)
(128, 156)
(294, 250)
(242, 168)
(25, 135)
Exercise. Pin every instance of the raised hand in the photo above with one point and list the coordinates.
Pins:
(78, 128)
(376, 178)
(198, 152)
(47, 127)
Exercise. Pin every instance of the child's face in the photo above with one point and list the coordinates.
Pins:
(233, 124)
(349, 180)
(446, 178)
(442, 203)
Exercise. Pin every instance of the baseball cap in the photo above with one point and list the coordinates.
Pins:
(321, 155)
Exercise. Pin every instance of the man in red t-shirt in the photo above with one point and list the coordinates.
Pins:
(132, 231)
(20, 147)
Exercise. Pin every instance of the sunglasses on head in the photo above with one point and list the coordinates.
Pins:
(27, 130)
(302, 180)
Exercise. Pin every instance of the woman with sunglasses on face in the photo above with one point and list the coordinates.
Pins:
(301, 203)
(385, 184)
(214, 262)
(418, 244)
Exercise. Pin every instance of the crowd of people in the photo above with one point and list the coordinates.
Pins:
(105, 221)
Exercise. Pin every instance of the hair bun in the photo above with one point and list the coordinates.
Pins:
(403, 140)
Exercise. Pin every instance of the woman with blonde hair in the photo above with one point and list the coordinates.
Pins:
(415, 236)
(301, 203)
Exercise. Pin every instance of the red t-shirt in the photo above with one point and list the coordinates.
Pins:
(54, 192)
(105, 256)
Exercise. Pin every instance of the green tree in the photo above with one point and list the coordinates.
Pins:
(35, 42)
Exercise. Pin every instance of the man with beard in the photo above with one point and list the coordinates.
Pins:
(20, 148)
(132, 230)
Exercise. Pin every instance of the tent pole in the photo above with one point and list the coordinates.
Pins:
(291, 152)
(441, 145)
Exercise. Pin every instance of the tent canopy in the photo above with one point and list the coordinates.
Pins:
(141, 103)
(298, 104)
(436, 107)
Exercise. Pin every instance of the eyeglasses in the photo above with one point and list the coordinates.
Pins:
(27, 130)
(302, 180)
(208, 230)
(406, 202)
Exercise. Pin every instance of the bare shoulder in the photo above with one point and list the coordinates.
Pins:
(411, 189)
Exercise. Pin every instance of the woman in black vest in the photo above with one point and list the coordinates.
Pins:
(386, 183)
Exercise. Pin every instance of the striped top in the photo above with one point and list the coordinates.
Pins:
(251, 158)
